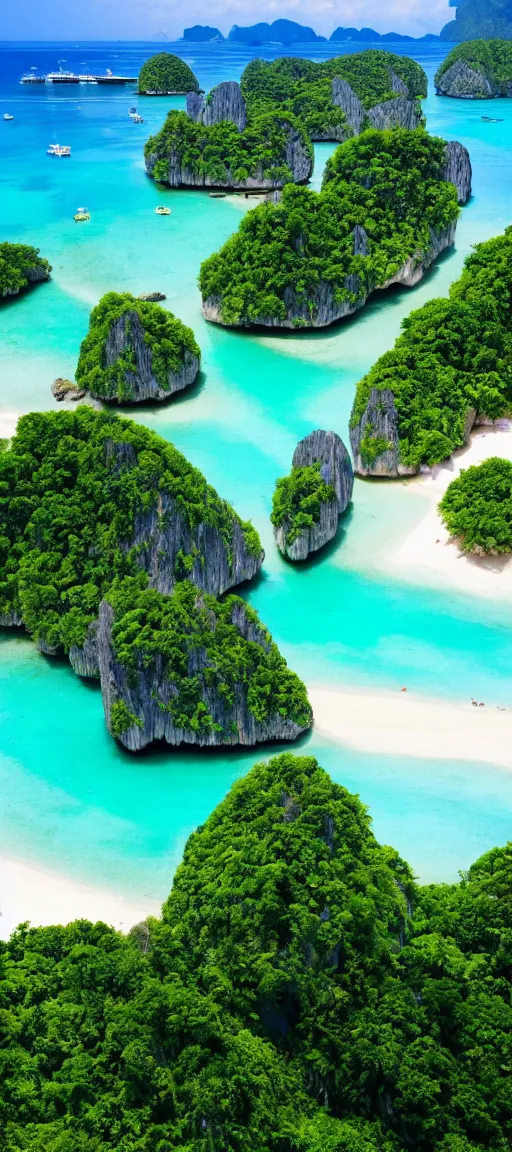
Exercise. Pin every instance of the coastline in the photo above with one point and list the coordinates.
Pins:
(30, 892)
(407, 724)
(428, 554)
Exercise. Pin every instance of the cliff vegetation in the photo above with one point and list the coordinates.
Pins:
(166, 75)
(479, 18)
(477, 68)
(298, 498)
(452, 362)
(477, 507)
(131, 344)
(300, 994)
(20, 266)
(314, 257)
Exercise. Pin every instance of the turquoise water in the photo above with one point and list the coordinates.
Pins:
(73, 800)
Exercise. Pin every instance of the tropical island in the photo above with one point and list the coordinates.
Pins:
(202, 33)
(308, 502)
(216, 145)
(21, 266)
(135, 351)
(166, 75)
(448, 371)
(477, 507)
(300, 991)
(101, 523)
(314, 258)
(475, 18)
(340, 97)
(476, 70)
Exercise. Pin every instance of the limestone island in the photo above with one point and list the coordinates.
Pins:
(114, 552)
(476, 70)
(308, 502)
(449, 370)
(477, 508)
(387, 209)
(21, 266)
(216, 144)
(485, 18)
(202, 33)
(166, 75)
(135, 351)
(338, 98)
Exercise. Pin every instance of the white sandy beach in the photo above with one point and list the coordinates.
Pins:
(28, 892)
(427, 554)
(8, 422)
(407, 724)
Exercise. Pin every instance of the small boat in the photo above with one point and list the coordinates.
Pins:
(7, 116)
(82, 214)
(135, 118)
(492, 119)
(58, 150)
(161, 211)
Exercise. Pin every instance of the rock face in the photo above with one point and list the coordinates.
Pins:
(328, 449)
(10, 620)
(295, 155)
(380, 422)
(465, 83)
(400, 112)
(63, 389)
(35, 275)
(458, 170)
(127, 334)
(225, 102)
(84, 660)
(152, 297)
(147, 693)
(325, 310)
(344, 97)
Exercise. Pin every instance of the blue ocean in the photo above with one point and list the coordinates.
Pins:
(72, 801)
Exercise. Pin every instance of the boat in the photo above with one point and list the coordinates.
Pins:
(62, 77)
(33, 77)
(135, 118)
(110, 78)
(131, 111)
(82, 214)
(161, 211)
(58, 150)
(7, 116)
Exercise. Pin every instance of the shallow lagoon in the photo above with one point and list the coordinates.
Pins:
(73, 800)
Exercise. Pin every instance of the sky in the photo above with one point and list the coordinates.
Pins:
(143, 19)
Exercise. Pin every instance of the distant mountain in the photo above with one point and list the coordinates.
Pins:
(479, 19)
(280, 32)
(370, 35)
(201, 32)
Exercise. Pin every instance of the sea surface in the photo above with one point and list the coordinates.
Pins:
(70, 799)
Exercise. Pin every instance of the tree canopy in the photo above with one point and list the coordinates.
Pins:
(477, 507)
(452, 360)
(18, 263)
(298, 498)
(388, 183)
(491, 58)
(165, 75)
(300, 994)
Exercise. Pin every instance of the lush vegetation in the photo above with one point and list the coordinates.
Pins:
(492, 58)
(477, 507)
(72, 485)
(484, 18)
(191, 628)
(167, 338)
(300, 994)
(16, 263)
(304, 87)
(221, 154)
(388, 182)
(453, 358)
(298, 498)
(164, 74)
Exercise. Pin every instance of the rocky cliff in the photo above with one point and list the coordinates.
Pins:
(321, 309)
(327, 450)
(35, 274)
(225, 102)
(465, 83)
(127, 335)
(400, 112)
(150, 697)
(375, 440)
(458, 170)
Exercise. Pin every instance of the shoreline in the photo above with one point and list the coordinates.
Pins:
(428, 554)
(31, 892)
(405, 723)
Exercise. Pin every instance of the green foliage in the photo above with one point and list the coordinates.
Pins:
(491, 58)
(73, 485)
(299, 994)
(453, 357)
(16, 263)
(220, 154)
(388, 182)
(298, 499)
(121, 718)
(192, 629)
(166, 74)
(304, 87)
(477, 507)
(166, 337)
